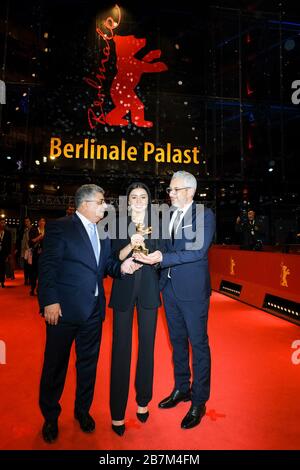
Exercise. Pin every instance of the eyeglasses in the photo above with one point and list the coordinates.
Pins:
(99, 203)
(175, 190)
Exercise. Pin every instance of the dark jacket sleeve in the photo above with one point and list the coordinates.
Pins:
(162, 245)
(189, 256)
(113, 264)
(6, 244)
(49, 264)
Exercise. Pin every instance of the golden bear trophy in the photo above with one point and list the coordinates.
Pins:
(141, 230)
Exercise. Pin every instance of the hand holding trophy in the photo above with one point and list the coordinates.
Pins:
(137, 240)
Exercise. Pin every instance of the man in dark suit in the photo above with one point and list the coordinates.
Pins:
(35, 242)
(23, 242)
(250, 230)
(71, 296)
(5, 250)
(185, 283)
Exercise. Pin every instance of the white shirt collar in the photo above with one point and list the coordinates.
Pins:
(86, 222)
(184, 209)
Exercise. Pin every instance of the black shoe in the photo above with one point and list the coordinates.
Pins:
(2, 285)
(31, 293)
(50, 431)
(175, 398)
(118, 429)
(142, 417)
(86, 422)
(193, 417)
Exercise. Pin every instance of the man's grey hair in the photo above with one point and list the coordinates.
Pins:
(188, 178)
(86, 191)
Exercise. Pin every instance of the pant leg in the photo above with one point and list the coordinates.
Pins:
(59, 339)
(87, 343)
(120, 364)
(34, 271)
(196, 315)
(27, 268)
(179, 339)
(147, 320)
(2, 270)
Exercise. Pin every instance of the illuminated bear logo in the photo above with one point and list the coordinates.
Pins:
(129, 72)
(285, 272)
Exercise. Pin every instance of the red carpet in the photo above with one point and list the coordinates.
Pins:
(255, 386)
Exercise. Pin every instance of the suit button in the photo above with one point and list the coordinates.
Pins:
(93, 292)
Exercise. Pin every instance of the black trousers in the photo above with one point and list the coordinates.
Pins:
(187, 324)
(27, 271)
(59, 340)
(121, 358)
(2, 270)
(34, 268)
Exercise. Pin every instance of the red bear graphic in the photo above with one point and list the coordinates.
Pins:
(129, 71)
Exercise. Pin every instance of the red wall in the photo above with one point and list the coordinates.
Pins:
(259, 273)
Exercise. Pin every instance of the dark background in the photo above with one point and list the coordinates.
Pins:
(236, 62)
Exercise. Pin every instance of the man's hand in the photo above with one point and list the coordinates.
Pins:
(52, 313)
(238, 220)
(152, 258)
(129, 266)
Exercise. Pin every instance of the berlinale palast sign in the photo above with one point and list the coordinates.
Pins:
(128, 106)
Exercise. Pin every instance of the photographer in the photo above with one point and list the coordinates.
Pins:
(251, 231)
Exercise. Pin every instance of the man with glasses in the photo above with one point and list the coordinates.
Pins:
(72, 301)
(185, 283)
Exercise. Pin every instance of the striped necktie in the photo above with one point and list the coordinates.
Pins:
(94, 240)
(176, 224)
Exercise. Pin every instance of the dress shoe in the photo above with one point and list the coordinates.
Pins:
(86, 422)
(118, 429)
(50, 431)
(142, 417)
(193, 417)
(175, 398)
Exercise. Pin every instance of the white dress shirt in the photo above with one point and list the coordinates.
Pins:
(184, 211)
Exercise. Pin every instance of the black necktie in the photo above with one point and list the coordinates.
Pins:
(175, 224)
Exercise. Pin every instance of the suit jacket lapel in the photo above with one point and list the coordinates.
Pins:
(102, 250)
(85, 237)
(170, 245)
(186, 220)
